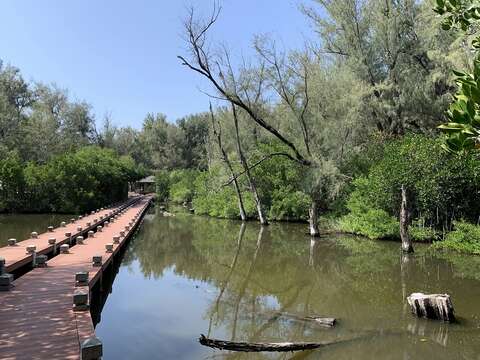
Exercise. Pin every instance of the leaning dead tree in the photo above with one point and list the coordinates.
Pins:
(217, 132)
(243, 92)
(251, 180)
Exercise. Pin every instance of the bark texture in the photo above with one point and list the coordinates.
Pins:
(313, 219)
(258, 347)
(432, 306)
(405, 215)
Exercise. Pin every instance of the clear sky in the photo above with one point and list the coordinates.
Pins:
(120, 56)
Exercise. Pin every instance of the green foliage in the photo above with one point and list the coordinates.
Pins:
(162, 182)
(463, 126)
(281, 183)
(442, 186)
(213, 199)
(12, 182)
(365, 220)
(459, 14)
(74, 182)
(288, 204)
(422, 234)
(464, 238)
(182, 185)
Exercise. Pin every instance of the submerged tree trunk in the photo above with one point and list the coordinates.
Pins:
(313, 218)
(258, 347)
(405, 221)
(251, 181)
(218, 135)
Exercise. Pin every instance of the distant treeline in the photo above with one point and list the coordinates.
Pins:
(53, 157)
(72, 183)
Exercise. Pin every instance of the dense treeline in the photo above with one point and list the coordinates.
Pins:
(344, 128)
(54, 159)
(85, 179)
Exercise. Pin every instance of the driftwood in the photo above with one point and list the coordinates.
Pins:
(432, 306)
(258, 347)
(318, 320)
(167, 214)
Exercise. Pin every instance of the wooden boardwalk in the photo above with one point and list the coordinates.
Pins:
(37, 318)
(17, 256)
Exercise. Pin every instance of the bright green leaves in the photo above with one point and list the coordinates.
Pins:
(459, 14)
(463, 126)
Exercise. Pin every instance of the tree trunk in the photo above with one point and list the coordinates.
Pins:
(218, 135)
(251, 181)
(404, 222)
(313, 219)
(432, 306)
(258, 347)
(241, 208)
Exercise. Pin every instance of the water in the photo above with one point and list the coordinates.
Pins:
(186, 275)
(19, 226)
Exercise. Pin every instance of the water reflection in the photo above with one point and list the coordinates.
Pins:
(19, 226)
(187, 275)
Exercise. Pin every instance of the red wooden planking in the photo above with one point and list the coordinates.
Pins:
(36, 317)
(16, 256)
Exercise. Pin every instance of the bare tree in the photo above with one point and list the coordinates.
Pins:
(240, 92)
(217, 132)
(251, 180)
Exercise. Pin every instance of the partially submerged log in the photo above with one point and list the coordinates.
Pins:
(258, 347)
(432, 306)
(319, 320)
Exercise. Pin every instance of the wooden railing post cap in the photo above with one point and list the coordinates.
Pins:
(91, 349)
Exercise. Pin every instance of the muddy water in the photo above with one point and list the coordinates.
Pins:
(19, 226)
(184, 276)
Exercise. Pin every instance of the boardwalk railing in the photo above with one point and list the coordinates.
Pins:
(46, 313)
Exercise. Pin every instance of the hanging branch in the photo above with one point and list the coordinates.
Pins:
(202, 63)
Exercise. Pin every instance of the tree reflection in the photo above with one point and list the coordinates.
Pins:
(258, 272)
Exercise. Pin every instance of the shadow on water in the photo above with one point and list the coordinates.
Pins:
(185, 275)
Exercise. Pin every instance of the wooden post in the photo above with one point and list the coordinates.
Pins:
(91, 349)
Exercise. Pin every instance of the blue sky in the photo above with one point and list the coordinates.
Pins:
(120, 56)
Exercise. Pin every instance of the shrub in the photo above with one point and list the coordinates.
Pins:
(442, 185)
(162, 185)
(73, 182)
(213, 199)
(366, 220)
(182, 185)
(464, 238)
(289, 205)
(421, 233)
(374, 224)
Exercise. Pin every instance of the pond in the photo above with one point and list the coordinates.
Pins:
(19, 226)
(187, 275)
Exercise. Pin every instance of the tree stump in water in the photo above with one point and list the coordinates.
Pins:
(432, 306)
